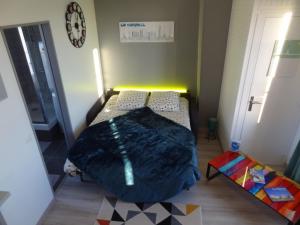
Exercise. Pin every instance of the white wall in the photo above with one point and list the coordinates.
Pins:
(21, 167)
(76, 65)
(243, 11)
(236, 47)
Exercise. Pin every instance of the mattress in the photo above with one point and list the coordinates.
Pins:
(110, 111)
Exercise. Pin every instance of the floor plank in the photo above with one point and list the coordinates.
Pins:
(223, 203)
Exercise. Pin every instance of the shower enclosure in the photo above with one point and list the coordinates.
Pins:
(29, 55)
(32, 54)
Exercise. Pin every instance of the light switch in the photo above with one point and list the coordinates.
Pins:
(3, 94)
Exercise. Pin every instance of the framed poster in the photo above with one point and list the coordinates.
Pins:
(162, 31)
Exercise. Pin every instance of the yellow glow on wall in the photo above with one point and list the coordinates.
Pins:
(98, 72)
(151, 88)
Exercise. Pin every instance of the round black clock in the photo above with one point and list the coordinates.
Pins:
(75, 24)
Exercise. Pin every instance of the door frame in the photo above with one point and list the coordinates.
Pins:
(261, 9)
(59, 91)
(57, 83)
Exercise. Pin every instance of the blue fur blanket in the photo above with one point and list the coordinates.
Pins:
(140, 156)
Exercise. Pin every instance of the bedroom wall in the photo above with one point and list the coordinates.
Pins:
(149, 63)
(21, 167)
(215, 32)
(22, 172)
(236, 46)
(199, 61)
(76, 65)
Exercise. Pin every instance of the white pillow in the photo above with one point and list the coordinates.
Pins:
(128, 100)
(164, 101)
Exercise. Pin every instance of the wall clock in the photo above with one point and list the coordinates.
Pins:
(75, 24)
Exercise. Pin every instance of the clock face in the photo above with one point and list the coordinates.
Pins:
(75, 24)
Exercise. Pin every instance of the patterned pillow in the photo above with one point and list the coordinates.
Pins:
(164, 101)
(128, 100)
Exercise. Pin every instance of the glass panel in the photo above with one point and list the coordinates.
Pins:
(290, 49)
(24, 74)
(26, 48)
(36, 48)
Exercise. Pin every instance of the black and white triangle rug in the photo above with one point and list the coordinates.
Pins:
(116, 212)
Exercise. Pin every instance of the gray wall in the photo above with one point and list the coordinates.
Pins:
(149, 63)
(215, 31)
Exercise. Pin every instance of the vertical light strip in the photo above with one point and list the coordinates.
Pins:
(25, 50)
(98, 72)
(286, 20)
(128, 171)
(245, 176)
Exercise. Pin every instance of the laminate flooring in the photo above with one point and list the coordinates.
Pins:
(55, 156)
(223, 203)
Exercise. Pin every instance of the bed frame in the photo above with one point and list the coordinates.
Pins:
(100, 103)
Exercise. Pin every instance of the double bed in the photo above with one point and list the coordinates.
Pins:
(139, 155)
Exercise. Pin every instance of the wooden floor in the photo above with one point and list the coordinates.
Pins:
(222, 202)
(54, 157)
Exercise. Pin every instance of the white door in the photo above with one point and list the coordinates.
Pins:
(272, 116)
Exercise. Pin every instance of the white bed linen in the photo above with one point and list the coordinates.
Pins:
(111, 110)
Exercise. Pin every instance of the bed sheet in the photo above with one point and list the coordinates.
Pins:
(110, 111)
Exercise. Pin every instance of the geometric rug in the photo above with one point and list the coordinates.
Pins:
(116, 212)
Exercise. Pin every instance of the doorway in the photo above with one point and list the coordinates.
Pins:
(29, 52)
(269, 111)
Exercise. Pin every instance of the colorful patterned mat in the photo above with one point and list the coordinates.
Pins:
(116, 212)
(236, 166)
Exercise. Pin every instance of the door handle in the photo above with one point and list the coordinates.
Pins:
(252, 102)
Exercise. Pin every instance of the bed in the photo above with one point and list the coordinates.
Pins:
(138, 155)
